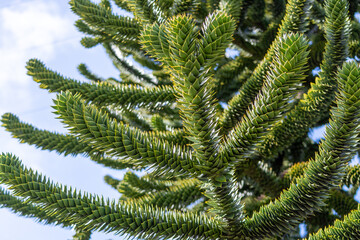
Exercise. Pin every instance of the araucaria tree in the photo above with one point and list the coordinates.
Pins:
(224, 140)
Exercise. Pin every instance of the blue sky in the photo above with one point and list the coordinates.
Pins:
(44, 29)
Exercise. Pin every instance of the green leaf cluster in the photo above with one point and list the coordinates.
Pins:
(221, 141)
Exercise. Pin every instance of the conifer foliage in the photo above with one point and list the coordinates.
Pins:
(223, 139)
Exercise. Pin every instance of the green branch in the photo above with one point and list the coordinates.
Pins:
(102, 94)
(103, 20)
(63, 144)
(126, 67)
(95, 213)
(352, 176)
(178, 196)
(315, 104)
(82, 235)
(349, 228)
(295, 20)
(84, 70)
(306, 194)
(26, 209)
(283, 82)
(116, 139)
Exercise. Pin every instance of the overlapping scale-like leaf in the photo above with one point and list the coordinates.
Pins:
(227, 203)
(175, 136)
(116, 139)
(123, 4)
(82, 235)
(103, 20)
(113, 182)
(154, 40)
(182, 42)
(341, 202)
(133, 186)
(46, 140)
(157, 123)
(61, 143)
(352, 176)
(233, 7)
(189, 59)
(315, 104)
(84, 70)
(282, 83)
(216, 32)
(131, 118)
(348, 228)
(197, 102)
(309, 110)
(235, 169)
(307, 193)
(190, 56)
(95, 213)
(294, 20)
(178, 196)
(27, 209)
(145, 183)
(146, 11)
(102, 94)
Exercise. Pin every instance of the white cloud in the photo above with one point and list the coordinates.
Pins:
(30, 29)
(42, 29)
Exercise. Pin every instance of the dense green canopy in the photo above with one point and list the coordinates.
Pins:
(224, 140)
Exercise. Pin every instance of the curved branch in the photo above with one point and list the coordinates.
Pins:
(91, 212)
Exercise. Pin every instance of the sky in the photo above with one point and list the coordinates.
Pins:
(45, 30)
